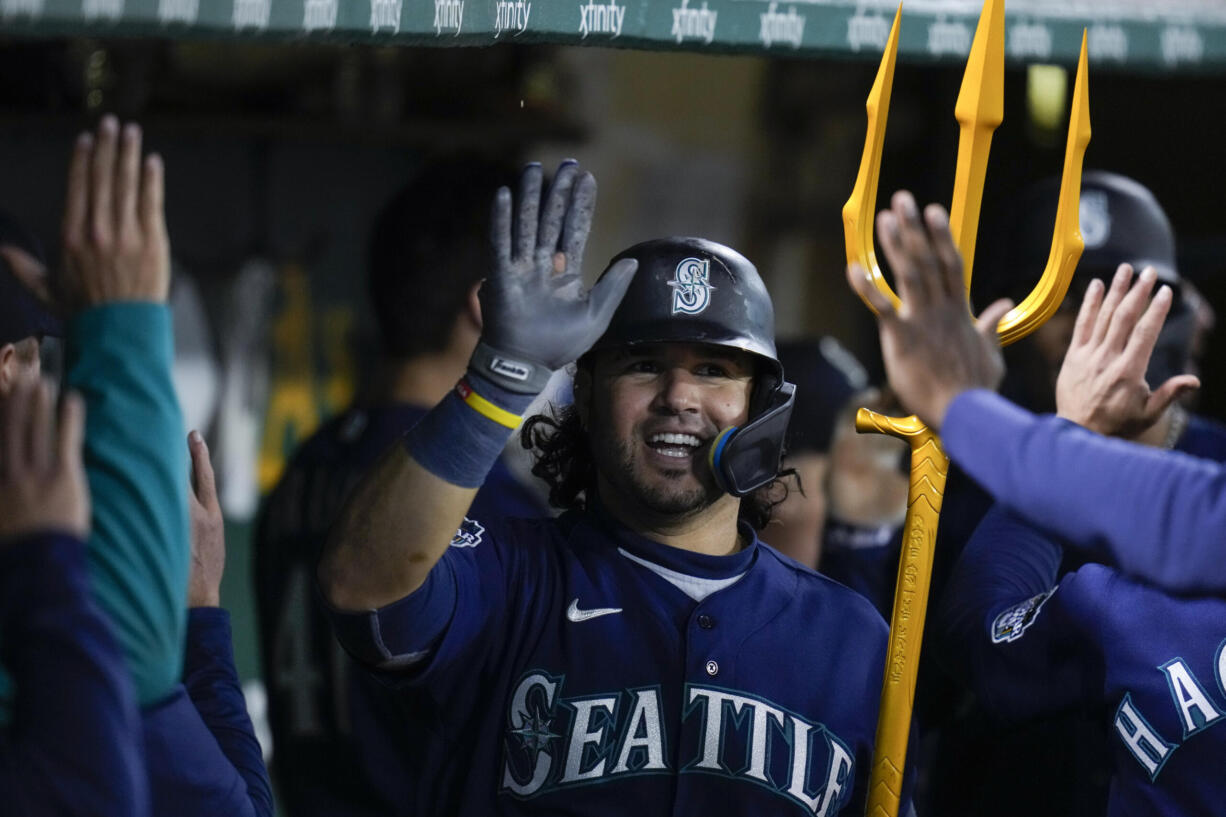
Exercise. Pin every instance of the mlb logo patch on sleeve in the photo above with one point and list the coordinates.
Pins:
(1013, 622)
(469, 534)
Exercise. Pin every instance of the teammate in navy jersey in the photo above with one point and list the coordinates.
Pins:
(644, 653)
(203, 756)
(340, 739)
(830, 460)
(1138, 634)
(1121, 222)
(73, 746)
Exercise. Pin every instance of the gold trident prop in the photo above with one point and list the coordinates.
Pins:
(979, 109)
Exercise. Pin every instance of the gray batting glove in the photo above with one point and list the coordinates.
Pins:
(536, 315)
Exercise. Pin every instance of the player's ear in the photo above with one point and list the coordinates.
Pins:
(8, 368)
(472, 309)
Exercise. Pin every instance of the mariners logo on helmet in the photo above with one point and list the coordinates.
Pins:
(691, 286)
(1095, 218)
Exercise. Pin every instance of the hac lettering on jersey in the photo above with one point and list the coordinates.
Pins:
(1195, 708)
(625, 733)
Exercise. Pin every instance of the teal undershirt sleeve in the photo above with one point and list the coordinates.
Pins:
(118, 356)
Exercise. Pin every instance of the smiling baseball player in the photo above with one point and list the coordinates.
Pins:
(644, 653)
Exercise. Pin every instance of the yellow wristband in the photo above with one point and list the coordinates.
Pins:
(485, 408)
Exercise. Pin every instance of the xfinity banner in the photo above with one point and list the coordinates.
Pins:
(1167, 36)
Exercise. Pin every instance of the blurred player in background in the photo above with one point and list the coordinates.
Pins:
(24, 320)
(339, 738)
(826, 376)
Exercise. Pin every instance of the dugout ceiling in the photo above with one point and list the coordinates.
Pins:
(1133, 35)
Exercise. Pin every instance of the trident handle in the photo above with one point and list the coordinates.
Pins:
(979, 111)
(929, 469)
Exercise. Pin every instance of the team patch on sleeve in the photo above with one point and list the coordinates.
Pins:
(469, 535)
(1013, 622)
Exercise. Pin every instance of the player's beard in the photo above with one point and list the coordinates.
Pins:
(661, 493)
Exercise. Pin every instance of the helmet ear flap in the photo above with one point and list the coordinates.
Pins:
(766, 382)
(744, 458)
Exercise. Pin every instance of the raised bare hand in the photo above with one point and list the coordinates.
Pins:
(932, 348)
(208, 529)
(1102, 380)
(42, 479)
(114, 229)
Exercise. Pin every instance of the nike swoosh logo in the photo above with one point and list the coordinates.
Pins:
(576, 615)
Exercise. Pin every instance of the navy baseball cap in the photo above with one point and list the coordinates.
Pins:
(22, 315)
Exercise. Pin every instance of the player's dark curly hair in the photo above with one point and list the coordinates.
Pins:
(563, 458)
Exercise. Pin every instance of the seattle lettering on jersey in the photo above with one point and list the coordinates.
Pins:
(601, 18)
(1196, 712)
(511, 15)
(618, 734)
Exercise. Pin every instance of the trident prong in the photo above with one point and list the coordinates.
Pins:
(861, 206)
(1066, 246)
(978, 123)
(979, 110)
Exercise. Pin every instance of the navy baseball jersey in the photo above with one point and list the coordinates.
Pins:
(1153, 663)
(973, 769)
(73, 746)
(203, 757)
(337, 737)
(1203, 438)
(570, 666)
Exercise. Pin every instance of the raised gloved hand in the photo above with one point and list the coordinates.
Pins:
(536, 315)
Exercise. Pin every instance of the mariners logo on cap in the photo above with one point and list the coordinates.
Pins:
(1012, 623)
(1095, 218)
(691, 286)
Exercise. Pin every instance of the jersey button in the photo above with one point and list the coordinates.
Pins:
(712, 668)
(706, 622)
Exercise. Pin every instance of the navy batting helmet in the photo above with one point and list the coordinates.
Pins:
(1121, 222)
(697, 291)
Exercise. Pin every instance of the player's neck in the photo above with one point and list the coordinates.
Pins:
(712, 531)
(421, 381)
